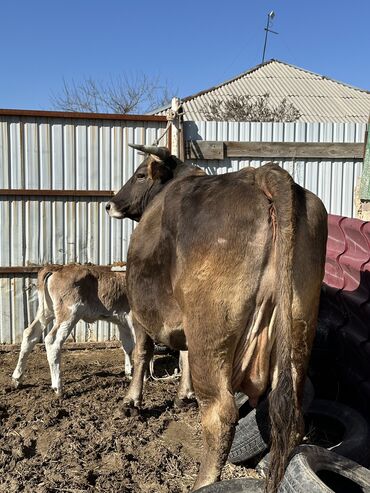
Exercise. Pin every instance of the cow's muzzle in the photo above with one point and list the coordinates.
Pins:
(112, 210)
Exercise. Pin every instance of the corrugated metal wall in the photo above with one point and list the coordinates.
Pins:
(53, 153)
(334, 181)
(61, 154)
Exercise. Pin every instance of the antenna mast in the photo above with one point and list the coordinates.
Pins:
(270, 17)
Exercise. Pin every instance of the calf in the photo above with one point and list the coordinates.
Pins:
(69, 293)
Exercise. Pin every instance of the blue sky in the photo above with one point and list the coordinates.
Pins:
(191, 45)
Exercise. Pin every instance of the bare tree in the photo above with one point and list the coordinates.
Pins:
(250, 109)
(138, 93)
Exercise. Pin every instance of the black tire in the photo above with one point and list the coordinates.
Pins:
(240, 399)
(263, 466)
(242, 485)
(160, 349)
(252, 433)
(354, 443)
(317, 470)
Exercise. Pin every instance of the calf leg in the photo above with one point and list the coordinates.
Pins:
(126, 335)
(31, 336)
(142, 355)
(53, 343)
(185, 391)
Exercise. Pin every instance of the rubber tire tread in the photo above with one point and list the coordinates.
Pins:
(252, 433)
(240, 485)
(300, 475)
(355, 443)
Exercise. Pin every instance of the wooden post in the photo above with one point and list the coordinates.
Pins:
(363, 211)
(365, 178)
(177, 135)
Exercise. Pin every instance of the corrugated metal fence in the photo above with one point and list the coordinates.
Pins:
(334, 181)
(64, 159)
(51, 165)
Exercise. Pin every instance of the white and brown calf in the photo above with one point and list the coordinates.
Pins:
(69, 293)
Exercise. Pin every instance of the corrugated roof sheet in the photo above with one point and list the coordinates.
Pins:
(318, 98)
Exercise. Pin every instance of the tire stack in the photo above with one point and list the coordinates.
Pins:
(338, 465)
(311, 470)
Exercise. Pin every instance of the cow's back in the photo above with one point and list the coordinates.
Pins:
(213, 238)
(205, 236)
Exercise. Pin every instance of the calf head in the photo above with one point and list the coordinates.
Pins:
(147, 181)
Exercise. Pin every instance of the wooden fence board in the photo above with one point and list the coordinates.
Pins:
(202, 149)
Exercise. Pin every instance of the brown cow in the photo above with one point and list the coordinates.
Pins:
(69, 293)
(230, 267)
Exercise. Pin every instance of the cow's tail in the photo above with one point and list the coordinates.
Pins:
(285, 416)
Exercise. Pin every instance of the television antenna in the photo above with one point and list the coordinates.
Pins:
(270, 18)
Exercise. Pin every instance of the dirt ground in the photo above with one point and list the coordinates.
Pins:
(84, 442)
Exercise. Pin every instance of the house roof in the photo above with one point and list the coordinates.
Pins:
(318, 98)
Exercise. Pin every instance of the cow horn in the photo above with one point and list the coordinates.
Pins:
(161, 152)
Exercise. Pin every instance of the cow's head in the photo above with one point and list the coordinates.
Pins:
(147, 181)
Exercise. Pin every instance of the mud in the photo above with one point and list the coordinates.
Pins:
(84, 443)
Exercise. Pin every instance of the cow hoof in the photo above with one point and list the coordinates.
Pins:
(130, 411)
(58, 393)
(185, 403)
(16, 383)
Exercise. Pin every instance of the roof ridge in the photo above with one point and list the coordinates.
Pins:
(323, 76)
(213, 88)
(259, 66)
(358, 93)
(233, 79)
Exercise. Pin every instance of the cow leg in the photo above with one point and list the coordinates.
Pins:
(185, 392)
(212, 384)
(126, 335)
(53, 343)
(142, 354)
(31, 336)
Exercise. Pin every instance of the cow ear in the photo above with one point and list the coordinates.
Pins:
(157, 170)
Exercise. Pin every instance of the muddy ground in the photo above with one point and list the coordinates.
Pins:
(84, 442)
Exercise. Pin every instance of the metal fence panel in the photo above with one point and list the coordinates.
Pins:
(61, 153)
(334, 181)
(54, 153)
